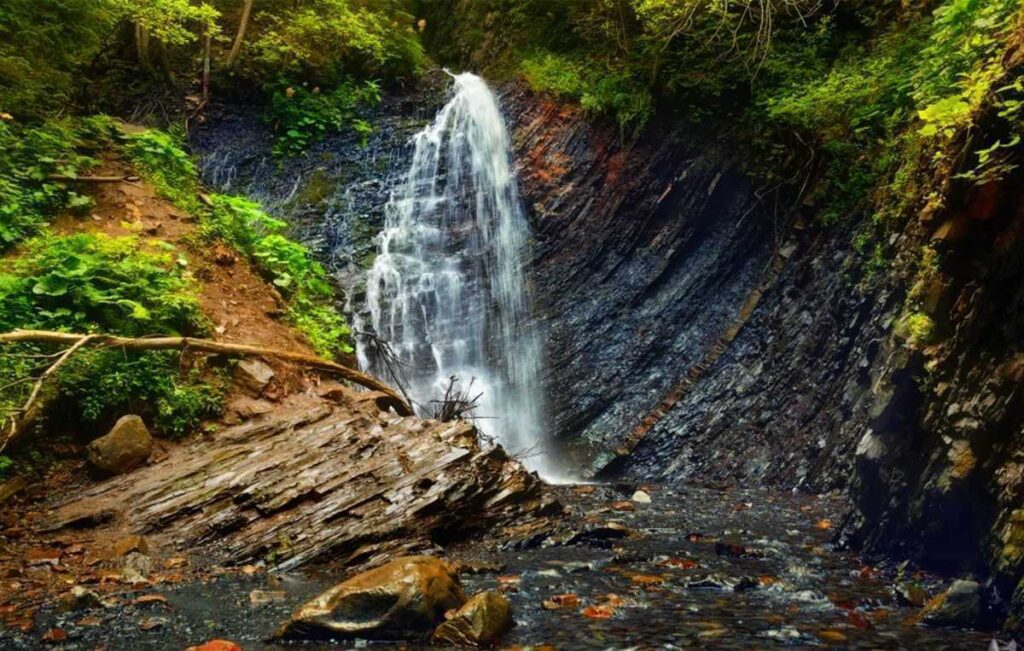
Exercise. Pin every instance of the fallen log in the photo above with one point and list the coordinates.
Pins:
(33, 407)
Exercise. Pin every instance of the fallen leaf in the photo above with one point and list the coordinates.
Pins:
(152, 623)
(55, 635)
(858, 620)
(623, 506)
(832, 636)
(562, 601)
(612, 599)
(216, 645)
(683, 563)
(90, 621)
(824, 523)
(150, 599)
(598, 612)
(647, 579)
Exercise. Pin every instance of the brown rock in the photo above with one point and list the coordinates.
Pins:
(403, 599)
(480, 622)
(253, 375)
(126, 446)
(130, 544)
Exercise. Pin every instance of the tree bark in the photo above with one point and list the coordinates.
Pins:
(243, 23)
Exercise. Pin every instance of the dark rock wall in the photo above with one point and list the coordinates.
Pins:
(697, 329)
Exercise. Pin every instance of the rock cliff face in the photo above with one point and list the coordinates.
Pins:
(697, 332)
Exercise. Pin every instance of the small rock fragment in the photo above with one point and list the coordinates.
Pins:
(253, 375)
(152, 623)
(641, 497)
(55, 636)
(127, 445)
(959, 606)
(130, 544)
(263, 597)
(79, 598)
(480, 622)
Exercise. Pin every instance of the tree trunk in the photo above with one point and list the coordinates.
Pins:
(243, 23)
(142, 44)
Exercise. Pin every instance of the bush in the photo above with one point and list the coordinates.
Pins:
(601, 92)
(95, 283)
(29, 154)
(301, 117)
(88, 283)
(162, 159)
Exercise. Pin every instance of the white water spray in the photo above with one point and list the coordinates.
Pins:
(447, 288)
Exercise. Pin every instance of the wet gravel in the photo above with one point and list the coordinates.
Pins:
(694, 567)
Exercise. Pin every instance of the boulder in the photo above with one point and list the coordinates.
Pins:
(480, 622)
(401, 600)
(253, 375)
(127, 445)
(79, 598)
(959, 606)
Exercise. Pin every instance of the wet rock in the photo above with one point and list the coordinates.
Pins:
(402, 600)
(601, 536)
(959, 606)
(126, 446)
(480, 622)
(723, 582)
(253, 375)
(910, 594)
(136, 568)
(130, 544)
(260, 598)
(78, 599)
(482, 567)
(12, 487)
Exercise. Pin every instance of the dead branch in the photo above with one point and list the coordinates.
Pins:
(67, 178)
(458, 403)
(34, 407)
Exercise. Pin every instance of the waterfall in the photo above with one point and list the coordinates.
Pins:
(447, 288)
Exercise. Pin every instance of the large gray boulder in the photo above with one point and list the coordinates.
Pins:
(404, 599)
(126, 446)
(959, 606)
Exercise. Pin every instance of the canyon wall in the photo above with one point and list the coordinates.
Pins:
(700, 327)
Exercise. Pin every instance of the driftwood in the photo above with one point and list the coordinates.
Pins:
(33, 407)
(310, 482)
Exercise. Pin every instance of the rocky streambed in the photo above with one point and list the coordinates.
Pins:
(626, 566)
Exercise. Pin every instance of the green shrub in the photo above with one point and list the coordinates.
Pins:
(599, 91)
(90, 282)
(106, 383)
(96, 283)
(29, 155)
(301, 117)
(162, 160)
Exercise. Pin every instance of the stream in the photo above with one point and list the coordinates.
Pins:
(695, 566)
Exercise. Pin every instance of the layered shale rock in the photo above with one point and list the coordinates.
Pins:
(317, 481)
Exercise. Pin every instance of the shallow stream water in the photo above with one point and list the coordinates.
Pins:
(695, 567)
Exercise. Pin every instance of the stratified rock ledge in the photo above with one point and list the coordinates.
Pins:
(318, 481)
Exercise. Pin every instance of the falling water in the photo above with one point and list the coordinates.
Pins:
(447, 288)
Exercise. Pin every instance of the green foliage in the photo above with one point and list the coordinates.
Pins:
(6, 465)
(325, 41)
(28, 156)
(599, 91)
(289, 265)
(161, 158)
(106, 383)
(94, 282)
(301, 117)
(42, 45)
(917, 328)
